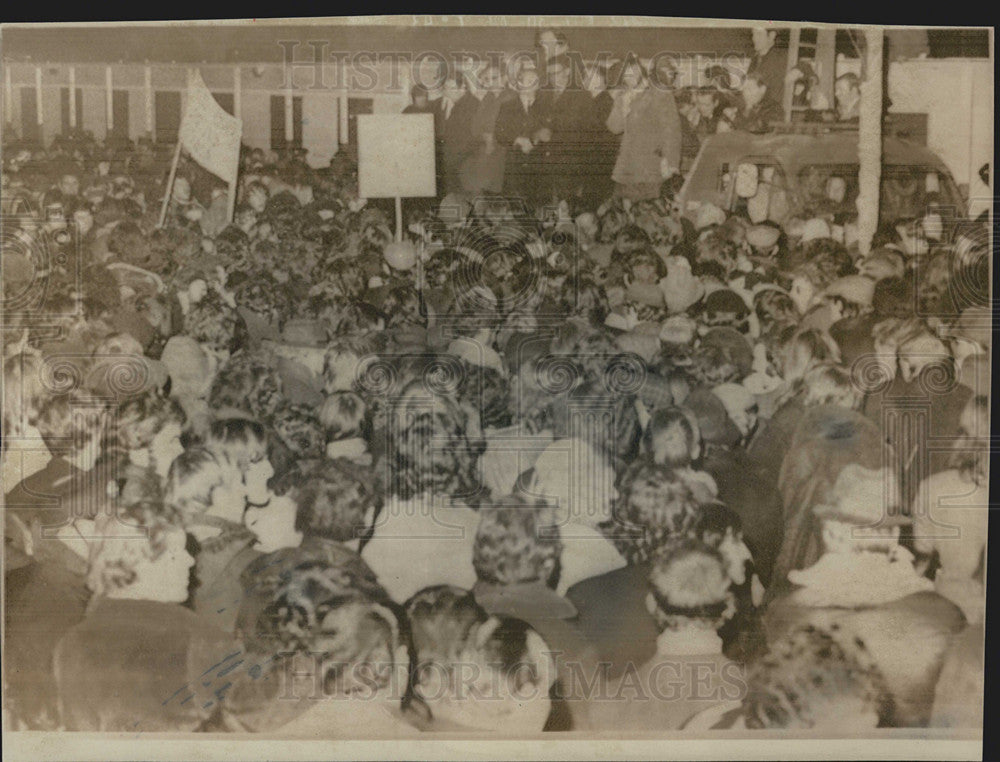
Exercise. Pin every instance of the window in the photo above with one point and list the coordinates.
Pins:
(770, 199)
(905, 192)
(119, 112)
(31, 130)
(167, 115)
(278, 141)
(64, 109)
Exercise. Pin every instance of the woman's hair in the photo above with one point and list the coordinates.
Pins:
(435, 447)
(192, 477)
(714, 521)
(342, 415)
(517, 542)
(444, 620)
(774, 308)
(820, 347)
(24, 392)
(829, 384)
(446, 623)
(237, 441)
(689, 582)
(319, 609)
(141, 418)
(298, 429)
(119, 546)
(249, 383)
(971, 453)
(670, 437)
(714, 245)
(653, 507)
(67, 422)
(334, 500)
(803, 677)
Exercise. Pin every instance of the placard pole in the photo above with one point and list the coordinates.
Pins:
(399, 219)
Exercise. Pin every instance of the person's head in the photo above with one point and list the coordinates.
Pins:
(478, 671)
(754, 89)
(971, 453)
(437, 444)
(72, 426)
(332, 632)
(803, 349)
(182, 190)
(763, 39)
(882, 264)
(706, 100)
(527, 80)
(139, 553)
(672, 437)
(552, 42)
(454, 86)
(922, 352)
(847, 89)
(242, 443)
(24, 392)
(516, 543)
(342, 415)
(816, 680)
(830, 384)
(740, 404)
(337, 502)
(656, 504)
(256, 196)
(689, 587)
(633, 75)
(720, 528)
(559, 71)
(149, 427)
(69, 185)
(419, 95)
(644, 266)
(298, 429)
(197, 482)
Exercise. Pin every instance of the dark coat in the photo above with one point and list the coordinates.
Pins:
(455, 139)
(612, 615)
(130, 666)
(520, 169)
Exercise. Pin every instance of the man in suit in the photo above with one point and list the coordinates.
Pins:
(518, 123)
(453, 127)
(563, 139)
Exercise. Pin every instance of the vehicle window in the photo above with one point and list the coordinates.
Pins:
(771, 199)
(830, 189)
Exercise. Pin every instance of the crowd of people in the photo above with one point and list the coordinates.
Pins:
(579, 463)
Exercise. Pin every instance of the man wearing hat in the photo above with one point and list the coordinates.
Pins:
(865, 583)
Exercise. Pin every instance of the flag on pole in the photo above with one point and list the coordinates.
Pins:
(209, 134)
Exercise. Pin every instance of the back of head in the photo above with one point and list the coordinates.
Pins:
(517, 542)
(690, 586)
(812, 680)
(672, 437)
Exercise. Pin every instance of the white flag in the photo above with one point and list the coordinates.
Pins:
(208, 133)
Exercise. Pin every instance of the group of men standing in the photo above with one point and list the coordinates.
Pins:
(544, 137)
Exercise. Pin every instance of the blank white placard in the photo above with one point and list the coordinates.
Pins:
(396, 156)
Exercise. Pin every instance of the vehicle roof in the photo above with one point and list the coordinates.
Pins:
(795, 150)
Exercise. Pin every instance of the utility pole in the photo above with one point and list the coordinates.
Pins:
(870, 140)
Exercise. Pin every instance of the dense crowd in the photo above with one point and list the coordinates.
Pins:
(576, 464)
